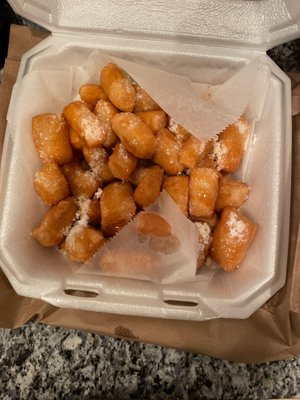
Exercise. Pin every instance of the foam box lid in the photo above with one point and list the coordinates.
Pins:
(257, 24)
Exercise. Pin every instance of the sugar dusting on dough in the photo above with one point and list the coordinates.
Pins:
(73, 234)
(83, 204)
(97, 161)
(204, 235)
(219, 151)
(103, 110)
(66, 230)
(139, 94)
(127, 85)
(242, 126)
(132, 122)
(237, 228)
(123, 152)
(98, 194)
(92, 127)
(200, 146)
(173, 126)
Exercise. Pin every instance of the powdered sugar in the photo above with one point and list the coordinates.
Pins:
(92, 176)
(83, 204)
(97, 155)
(237, 228)
(204, 231)
(41, 179)
(61, 123)
(126, 85)
(198, 145)
(242, 126)
(105, 111)
(98, 194)
(204, 235)
(73, 234)
(173, 126)
(97, 158)
(93, 129)
(123, 152)
(139, 94)
(105, 106)
(219, 151)
(50, 179)
(66, 230)
(132, 122)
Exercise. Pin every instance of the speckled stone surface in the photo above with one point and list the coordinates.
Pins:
(44, 363)
(287, 56)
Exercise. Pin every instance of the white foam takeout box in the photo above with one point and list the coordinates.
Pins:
(207, 40)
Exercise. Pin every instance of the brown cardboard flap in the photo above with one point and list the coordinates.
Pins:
(295, 82)
(295, 290)
(22, 39)
(271, 333)
(11, 68)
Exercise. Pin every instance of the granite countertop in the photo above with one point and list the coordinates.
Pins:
(44, 362)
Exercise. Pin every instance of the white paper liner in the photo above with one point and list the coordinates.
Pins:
(125, 255)
(202, 111)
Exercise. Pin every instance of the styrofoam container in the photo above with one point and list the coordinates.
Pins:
(208, 41)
